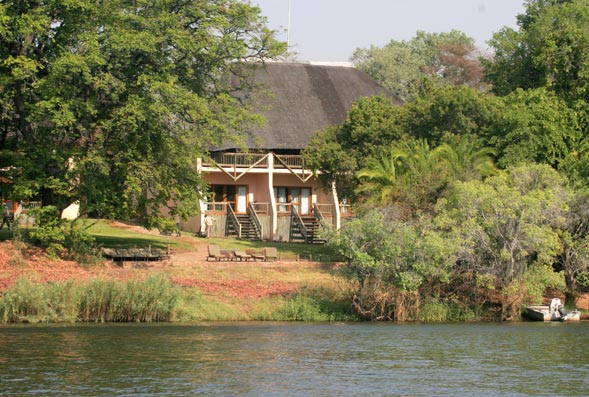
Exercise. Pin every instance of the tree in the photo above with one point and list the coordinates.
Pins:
(535, 126)
(112, 105)
(379, 178)
(550, 49)
(456, 110)
(508, 224)
(410, 174)
(467, 158)
(389, 261)
(574, 258)
(401, 66)
(338, 152)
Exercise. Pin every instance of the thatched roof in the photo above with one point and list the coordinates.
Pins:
(305, 98)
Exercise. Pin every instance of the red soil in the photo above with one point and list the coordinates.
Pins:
(15, 264)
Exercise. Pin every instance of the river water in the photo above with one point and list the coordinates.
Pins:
(277, 359)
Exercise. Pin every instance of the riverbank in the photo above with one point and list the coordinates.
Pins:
(209, 290)
(201, 290)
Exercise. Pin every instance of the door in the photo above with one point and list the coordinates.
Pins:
(242, 199)
(305, 200)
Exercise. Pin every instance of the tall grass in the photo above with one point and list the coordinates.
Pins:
(96, 300)
(437, 310)
(304, 307)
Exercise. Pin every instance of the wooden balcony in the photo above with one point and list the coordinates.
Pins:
(238, 160)
(254, 160)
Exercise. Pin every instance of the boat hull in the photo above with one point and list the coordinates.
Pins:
(543, 313)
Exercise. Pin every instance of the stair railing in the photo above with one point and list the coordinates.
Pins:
(319, 216)
(232, 219)
(295, 219)
(254, 217)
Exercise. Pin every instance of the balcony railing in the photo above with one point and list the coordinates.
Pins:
(325, 209)
(291, 160)
(238, 160)
(261, 208)
(345, 210)
(256, 160)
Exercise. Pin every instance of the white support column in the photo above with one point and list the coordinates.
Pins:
(273, 209)
(337, 221)
(201, 204)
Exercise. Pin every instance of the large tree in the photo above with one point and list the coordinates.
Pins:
(402, 66)
(508, 225)
(535, 126)
(112, 104)
(550, 49)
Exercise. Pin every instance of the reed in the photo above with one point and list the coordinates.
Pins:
(24, 302)
(436, 310)
(303, 307)
(96, 300)
(151, 299)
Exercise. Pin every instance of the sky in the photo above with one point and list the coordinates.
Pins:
(330, 30)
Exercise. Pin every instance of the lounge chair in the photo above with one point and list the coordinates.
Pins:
(255, 255)
(270, 254)
(242, 256)
(215, 253)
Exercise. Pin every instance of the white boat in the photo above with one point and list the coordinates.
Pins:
(554, 312)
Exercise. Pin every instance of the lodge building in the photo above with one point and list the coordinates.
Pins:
(267, 192)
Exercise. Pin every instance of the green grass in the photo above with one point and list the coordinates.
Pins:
(154, 298)
(115, 237)
(110, 236)
(288, 251)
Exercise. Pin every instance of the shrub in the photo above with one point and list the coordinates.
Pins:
(62, 238)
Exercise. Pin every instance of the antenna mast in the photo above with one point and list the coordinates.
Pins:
(288, 28)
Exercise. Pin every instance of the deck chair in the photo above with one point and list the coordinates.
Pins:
(215, 253)
(242, 256)
(270, 254)
(255, 255)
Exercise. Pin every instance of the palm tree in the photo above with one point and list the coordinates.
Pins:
(379, 176)
(466, 158)
(408, 173)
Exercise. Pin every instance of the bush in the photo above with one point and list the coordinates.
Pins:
(62, 238)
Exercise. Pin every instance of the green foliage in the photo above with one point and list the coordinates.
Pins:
(507, 222)
(306, 306)
(299, 308)
(113, 104)
(436, 310)
(549, 50)
(536, 126)
(152, 299)
(458, 110)
(62, 238)
(466, 157)
(49, 233)
(541, 278)
(413, 175)
(403, 66)
(338, 152)
(22, 303)
(389, 259)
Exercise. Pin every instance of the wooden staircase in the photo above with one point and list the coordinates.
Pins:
(243, 227)
(249, 230)
(305, 229)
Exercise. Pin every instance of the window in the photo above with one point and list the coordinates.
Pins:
(235, 195)
(299, 196)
